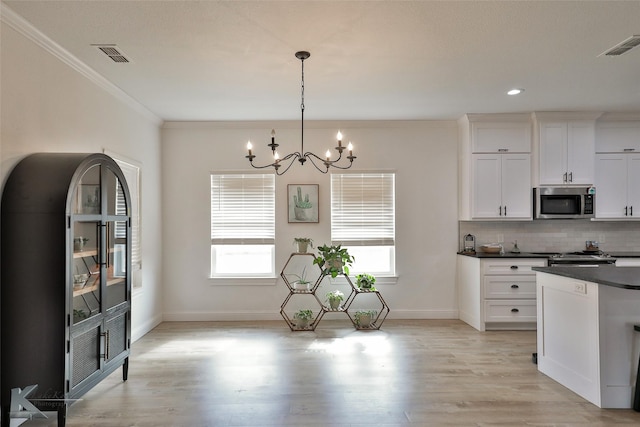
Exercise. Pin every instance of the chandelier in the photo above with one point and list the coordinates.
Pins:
(323, 163)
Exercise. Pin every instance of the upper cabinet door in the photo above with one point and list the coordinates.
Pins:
(553, 153)
(634, 185)
(611, 185)
(580, 153)
(618, 137)
(504, 137)
(516, 186)
(486, 198)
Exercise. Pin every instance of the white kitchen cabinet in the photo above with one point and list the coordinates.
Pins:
(501, 186)
(497, 293)
(618, 186)
(618, 137)
(585, 337)
(495, 167)
(566, 152)
(501, 137)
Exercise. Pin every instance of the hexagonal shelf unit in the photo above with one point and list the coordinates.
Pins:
(302, 278)
(369, 318)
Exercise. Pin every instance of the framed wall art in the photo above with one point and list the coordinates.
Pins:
(303, 202)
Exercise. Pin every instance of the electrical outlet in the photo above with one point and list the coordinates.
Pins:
(601, 238)
(500, 238)
(580, 288)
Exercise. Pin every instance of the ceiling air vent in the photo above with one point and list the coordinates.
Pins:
(112, 52)
(623, 47)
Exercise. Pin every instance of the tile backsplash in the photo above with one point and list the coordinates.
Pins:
(554, 235)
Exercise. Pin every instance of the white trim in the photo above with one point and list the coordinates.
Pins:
(313, 124)
(243, 281)
(243, 316)
(26, 29)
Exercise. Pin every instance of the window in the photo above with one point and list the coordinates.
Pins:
(131, 174)
(242, 225)
(363, 220)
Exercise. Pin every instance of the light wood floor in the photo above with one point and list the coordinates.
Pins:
(410, 373)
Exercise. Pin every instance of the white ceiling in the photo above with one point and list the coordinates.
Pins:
(370, 60)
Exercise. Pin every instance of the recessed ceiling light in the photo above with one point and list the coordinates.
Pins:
(515, 91)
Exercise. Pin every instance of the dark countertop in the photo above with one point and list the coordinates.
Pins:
(624, 254)
(507, 254)
(620, 277)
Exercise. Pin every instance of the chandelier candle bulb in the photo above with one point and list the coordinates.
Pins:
(350, 148)
(249, 147)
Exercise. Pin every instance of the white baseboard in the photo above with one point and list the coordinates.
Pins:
(140, 330)
(271, 315)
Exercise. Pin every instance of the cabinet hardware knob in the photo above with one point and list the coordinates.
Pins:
(629, 149)
(515, 310)
(505, 211)
(626, 211)
(503, 150)
(564, 177)
(500, 209)
(514, 267)
(570, 176)
(515, 287)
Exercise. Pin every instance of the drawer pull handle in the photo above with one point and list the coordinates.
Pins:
(514, 267)
(514, 310)
(515, 286)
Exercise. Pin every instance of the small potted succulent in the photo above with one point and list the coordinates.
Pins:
(302, 244)
(334, 298)
(333, 260)
(301, 283)
(364, 318)
(302, 317)
(365, 282)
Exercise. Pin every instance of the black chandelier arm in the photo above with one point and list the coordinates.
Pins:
(310, 156)
(278, 164)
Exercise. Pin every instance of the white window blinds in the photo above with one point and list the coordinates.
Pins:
(243, 209)
(132, 176)
(363, 209)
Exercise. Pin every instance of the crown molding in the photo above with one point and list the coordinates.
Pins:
(26, 29)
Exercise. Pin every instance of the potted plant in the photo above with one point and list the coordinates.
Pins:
(365, 282)
(364, 318)
(334, 298)
(303, 243)
(301, 282)
(333, 260)
(302, 318)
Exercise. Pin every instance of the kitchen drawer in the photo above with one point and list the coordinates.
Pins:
(512, 266)
(510, 311)
(510, 287)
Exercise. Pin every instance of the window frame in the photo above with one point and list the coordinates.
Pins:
(237, 234)
(385, 233)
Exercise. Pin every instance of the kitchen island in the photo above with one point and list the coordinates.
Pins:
(586, 339)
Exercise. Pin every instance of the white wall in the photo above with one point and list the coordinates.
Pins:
(423, 154)
(46, 105)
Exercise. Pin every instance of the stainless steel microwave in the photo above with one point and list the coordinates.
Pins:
(564, 203)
